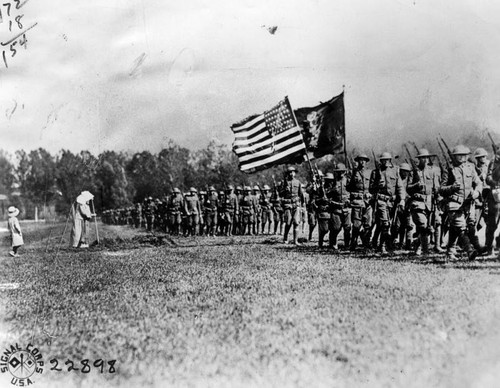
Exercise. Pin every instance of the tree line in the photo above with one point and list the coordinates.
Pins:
(40, 179)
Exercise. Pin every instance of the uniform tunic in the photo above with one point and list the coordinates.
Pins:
(461, 183)
(358, 185)
(425, 184)
(292, 196)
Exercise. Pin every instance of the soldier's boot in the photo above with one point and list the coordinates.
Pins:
(376, 237)
(383, 245)
(354, 239)
(321, 237)
(474, 240)
(311, 229)
(285, 236)
(490, 235)
(333, 240)
(468, 246)
(451, 250)
(408, 240)
(365, 238)
(296, 235)
(437, 240)
(347, 238)
(424, 244)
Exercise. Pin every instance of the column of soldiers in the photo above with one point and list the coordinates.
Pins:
(406, 207)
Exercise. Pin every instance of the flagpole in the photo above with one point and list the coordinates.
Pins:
(302, 136)
(345, 140)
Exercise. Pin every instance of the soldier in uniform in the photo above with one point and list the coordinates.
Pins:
(175, 206)
(493, 216)
(462, 187)
(361, 213)
(149, 211)
(237, 220)
(210, 206)
(266, 209)
(247, 210)
(303, 209)
(230, 208)
(311, 210)
(258, 210)
(137, 215)
(403, 226)
(277, 211)
(321, 204)
(292, 196)
(339, 207)
(482, 164)
(423, 189)
(192, 208)
(221, 217)
(387, 187)
(202, 223)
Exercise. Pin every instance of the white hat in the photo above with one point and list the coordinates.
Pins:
(13, 211)
(84, 197)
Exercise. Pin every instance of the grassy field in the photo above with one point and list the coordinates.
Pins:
(226, 312)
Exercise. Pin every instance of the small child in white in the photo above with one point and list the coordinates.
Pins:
(15, 231)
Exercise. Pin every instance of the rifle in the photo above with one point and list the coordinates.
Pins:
(321, 183)
(375, 160)
(493, 145)
(450, 155)
(412, 161)
(447, 161)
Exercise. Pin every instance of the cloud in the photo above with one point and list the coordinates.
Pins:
(129, 74)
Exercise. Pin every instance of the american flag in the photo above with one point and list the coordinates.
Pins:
(268, 139)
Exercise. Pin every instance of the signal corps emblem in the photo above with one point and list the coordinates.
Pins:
(22, 364)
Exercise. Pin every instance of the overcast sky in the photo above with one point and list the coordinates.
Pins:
(130, 74)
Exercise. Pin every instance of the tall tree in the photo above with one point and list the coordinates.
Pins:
(113, 188)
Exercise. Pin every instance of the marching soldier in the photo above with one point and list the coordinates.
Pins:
(247, 210)
(402, 227)
(257, 216)
(137, 215)
(386, 185)
(175, 206)
(266, 209)
(221, 217)
(339, 208)
(360, 197)
(237, 220)
(230, 208)
(492, 219)
(277, 211)
(482, 164)
(292, 196)
(462, 188)
(321, 205)
(311, 209)
(192, 208)
(149, 211)
(303, 208)
(424, 189)
(210, 206)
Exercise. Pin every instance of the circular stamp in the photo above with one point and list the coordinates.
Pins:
(21, 363)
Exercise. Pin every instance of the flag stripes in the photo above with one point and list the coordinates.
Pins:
(268, 139)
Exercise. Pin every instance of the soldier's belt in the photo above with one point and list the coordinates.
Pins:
(419, 197)
(357, 195)
(383, 197)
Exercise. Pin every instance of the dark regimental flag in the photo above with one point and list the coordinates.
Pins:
(323, 126)
(268, 139)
